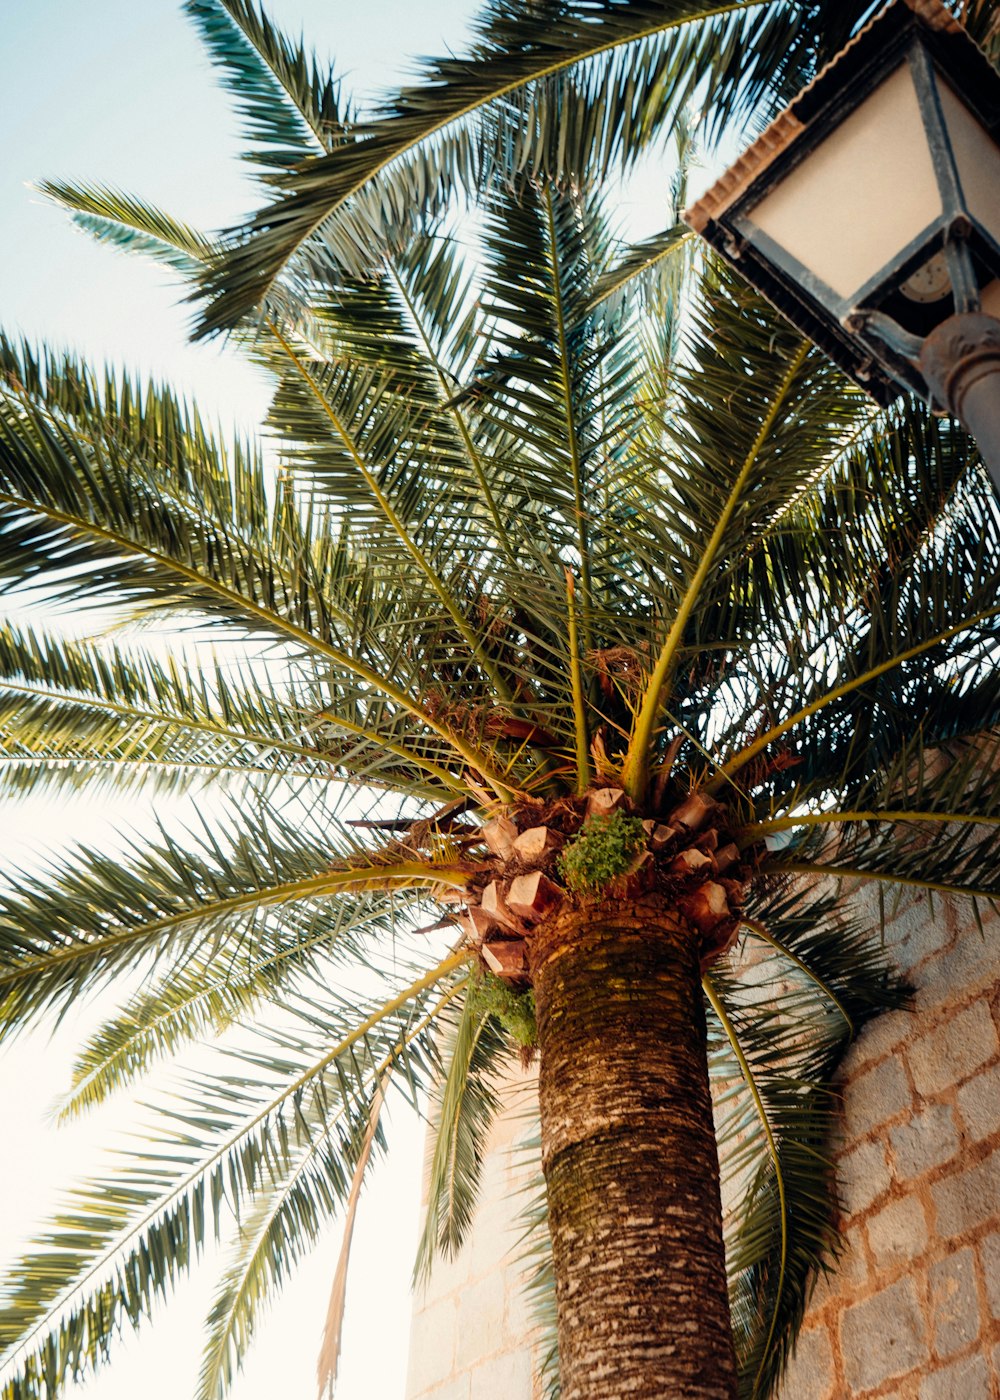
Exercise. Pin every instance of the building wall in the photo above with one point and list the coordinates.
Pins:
(471, 1336)
(912, 1311)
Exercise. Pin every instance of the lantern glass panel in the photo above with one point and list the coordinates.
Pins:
(978, 159)
(877, 159)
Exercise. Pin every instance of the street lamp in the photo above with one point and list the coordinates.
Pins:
(868, 213)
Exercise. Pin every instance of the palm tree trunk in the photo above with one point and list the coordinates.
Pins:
(629, 1155)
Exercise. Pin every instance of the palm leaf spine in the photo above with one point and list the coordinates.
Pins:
(435, 770)
(472, 756)
(329, 1356)
(455, 410)
(886, 877)
(754, 830)
(576, 462)
(375, 877)
(474, 643)
(579, 704)
(180, 721)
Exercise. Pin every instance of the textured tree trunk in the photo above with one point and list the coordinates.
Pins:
(629, 1155)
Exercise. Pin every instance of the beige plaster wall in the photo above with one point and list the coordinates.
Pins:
(913, 1310)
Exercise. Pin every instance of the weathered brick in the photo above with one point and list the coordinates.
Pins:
(518, 1318)
(457, 1388)
(979, 1104)
(494, 1233)
(969, 964)
(926, 1141)
(508, 1375)
(915, 934)
(432, 1346)
(969, 1198)
(853, 1266)
(449, 1275)
(879, 1037)
(873, 1098)
(989, 1253)
(954, 1303)
(883, 1337)
(967, 1379)
(954, 1050)
(810, 1374)
(898, 1232)
(850, 1269)
(863, 1175)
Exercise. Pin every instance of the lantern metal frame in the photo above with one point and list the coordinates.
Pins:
(862, 332)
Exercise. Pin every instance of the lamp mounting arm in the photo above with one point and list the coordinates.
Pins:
(960, 361)
(960, 364)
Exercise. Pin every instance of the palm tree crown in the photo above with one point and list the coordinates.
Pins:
(582, 582)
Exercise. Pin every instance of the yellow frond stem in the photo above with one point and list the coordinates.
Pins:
(579, 707)
(403, 875)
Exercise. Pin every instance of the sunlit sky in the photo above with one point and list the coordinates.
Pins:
(120, 92)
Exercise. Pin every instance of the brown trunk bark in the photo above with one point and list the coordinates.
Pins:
(629, 1155)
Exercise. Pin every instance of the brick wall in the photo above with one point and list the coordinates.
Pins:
(912, 1311)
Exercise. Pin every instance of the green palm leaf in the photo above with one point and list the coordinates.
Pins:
(290, 107)
(466, 1102)
(100, 916)
(123, 1240)
(778, 1108)
(418, 142)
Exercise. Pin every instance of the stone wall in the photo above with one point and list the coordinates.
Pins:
(912, 1311)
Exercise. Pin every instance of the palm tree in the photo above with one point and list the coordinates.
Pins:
(594, 640)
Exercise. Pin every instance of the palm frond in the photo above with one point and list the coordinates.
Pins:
(740, 55)
(122, 221)
(465, 1103)
(637, 762)
(124, 1241)
(99, 916)
(74, 498)
(208, 994)
(328, 1362)
(79, 701)
(774, 1059)
(291, 107)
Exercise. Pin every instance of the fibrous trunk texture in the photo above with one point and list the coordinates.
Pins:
(629, 1155)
